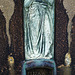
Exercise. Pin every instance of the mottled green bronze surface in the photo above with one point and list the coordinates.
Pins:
(39, 29)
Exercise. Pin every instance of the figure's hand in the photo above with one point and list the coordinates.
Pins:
(27, 3)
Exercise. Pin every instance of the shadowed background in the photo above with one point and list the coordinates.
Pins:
(16, 33)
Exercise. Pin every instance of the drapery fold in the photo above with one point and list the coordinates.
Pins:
(39, 29)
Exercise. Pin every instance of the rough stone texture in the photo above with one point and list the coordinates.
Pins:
(61, 41)
(60, 33)
(7, 7)
(16, 33)
(3, 41)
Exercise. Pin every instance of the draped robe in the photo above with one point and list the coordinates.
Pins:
(39, 29)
